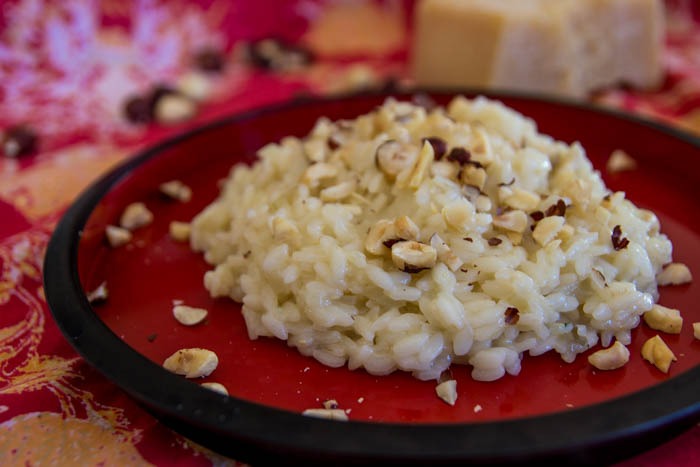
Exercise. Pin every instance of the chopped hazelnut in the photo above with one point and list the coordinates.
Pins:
(216, 387)
(674, 274)
(330, 414)
(620, 161)
(696, 330)
(445, 254)
(411, 256)
(439, 146)
(117, 236)
(378, 235)
(189, 316)
(405, 228)
(475, 176)
(180, 231)
(612, 358)
(192, 363)
(656, 352)
(135, 215)
(664, 319)
(447, 391)
(176, 190)
(425, 158)
(393, 157)
(100, 294)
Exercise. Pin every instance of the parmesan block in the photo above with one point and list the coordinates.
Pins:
(564, 47)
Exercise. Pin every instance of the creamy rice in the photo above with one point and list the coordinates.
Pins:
(515, 242)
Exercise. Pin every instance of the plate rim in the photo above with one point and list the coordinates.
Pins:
(252, 431)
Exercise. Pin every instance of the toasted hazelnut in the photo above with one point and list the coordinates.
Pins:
(315, 173)
(514, 221)
(216, 387)
(447, 391)
(180, 231)
(411, 256)
(547, 229)
(192, 363)
(393, 157)
(425, 158)
(174, 108)
(664, 319)
(445, 254)
(330, 414)
(135, 215)
(656, 352)
(405, 228)
(176, 190)
(474, 176)
(117, 236)
(378, 235)
(620, 161)
(189, 316)
(612, 358)
(674, 274)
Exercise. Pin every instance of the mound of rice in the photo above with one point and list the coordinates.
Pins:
(412, 239)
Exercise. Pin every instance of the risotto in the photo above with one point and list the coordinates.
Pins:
(413, 239)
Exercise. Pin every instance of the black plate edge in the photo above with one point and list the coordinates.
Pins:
(244, 429)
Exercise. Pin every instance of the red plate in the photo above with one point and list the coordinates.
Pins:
(145, 277)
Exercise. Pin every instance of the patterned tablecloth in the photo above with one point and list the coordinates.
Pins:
(66, 70)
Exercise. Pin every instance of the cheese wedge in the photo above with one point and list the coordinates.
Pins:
(565, 47)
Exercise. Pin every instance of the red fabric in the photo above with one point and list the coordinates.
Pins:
(66, 68)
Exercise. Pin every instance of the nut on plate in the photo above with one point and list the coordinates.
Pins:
(447, 391)
(612, 358)
(664, 319)
(117, 236)
(189, 316)
(674, 274)
(620, 161)
(192, 362)
(135, 215)
(176, 190)
(180, 231)
(656, 352)
(216, 387)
